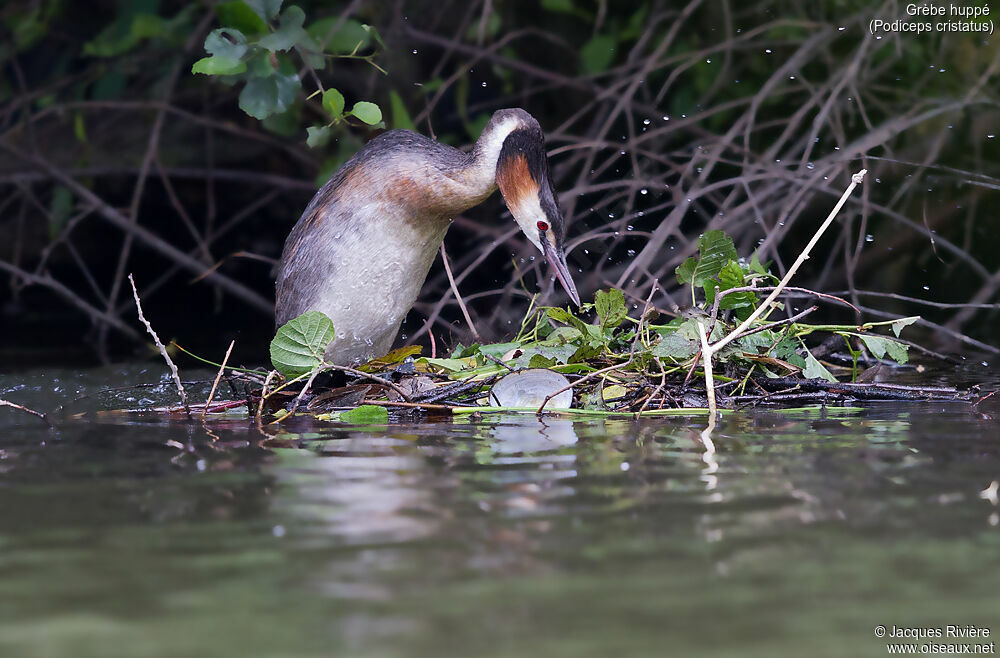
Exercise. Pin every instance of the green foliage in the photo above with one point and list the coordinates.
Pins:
(366, 414)
(400, 116)
(137, 22)
(597, 54)
(715, 250)
(299, 345)
(563, 340)
(351, 37)
(367, 112)
(255, 48)
(610, 306)
(879, 346)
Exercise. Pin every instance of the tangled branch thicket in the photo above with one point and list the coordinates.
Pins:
(663, 120)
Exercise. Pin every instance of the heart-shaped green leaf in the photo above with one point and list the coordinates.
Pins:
(299, 344)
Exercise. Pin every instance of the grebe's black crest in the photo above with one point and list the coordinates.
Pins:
(524, 180)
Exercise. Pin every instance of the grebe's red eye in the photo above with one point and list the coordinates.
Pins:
(542, 226)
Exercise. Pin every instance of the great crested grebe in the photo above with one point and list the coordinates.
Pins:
(363, 247)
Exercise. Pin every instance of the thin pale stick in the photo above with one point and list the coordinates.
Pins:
(733, 335)
(454, 289)
(163, 350)
(218, 376)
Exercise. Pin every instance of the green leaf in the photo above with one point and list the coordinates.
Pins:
(366, 414)
(565, 6)
(816, 370)
(565, 317)
(333, 103)
(375, 35)
(598, 53)
(610, 308)
(367, 112)
(262, 97)
(286, 124)
(400, 117)
(219, 65)
(553, 354)
(898, 325)
(350, 36)
(496, 349)
(298, 346)
(80, 129)
(453, 365)
(259, 63)
(731, 276)
(879, 346)
(289, 31)
(715, 250)
(539, 361)
(676, 347)
(239, 15)
(317, 136)
(266, 9)
(226, 42)
(685, 271)
(60, 208)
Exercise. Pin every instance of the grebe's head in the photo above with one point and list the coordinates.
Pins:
(524, 181)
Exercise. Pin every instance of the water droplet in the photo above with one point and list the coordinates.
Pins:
(630, 252)
(767, 50)
(926, 287)
(644, 191)
(414, 51)
(869, 238)
(666, 118)
(484, 85)
(645, 122)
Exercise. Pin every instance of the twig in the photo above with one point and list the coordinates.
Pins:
(708, 351)
(163, 350)
(370, 377)
(454, 289)
(215, 384)
(583, 379)
(766, 304)
(263, 398)
(5, 403)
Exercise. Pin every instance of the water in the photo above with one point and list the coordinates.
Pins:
(505, 537)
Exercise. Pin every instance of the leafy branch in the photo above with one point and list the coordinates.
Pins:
(254, 49)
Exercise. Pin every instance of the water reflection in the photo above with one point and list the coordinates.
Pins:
(502, 535)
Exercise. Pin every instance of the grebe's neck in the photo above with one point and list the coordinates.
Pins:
(482, 171)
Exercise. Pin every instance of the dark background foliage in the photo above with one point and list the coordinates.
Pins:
(663, 119)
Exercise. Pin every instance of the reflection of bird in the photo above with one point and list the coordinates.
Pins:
(363, 247)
